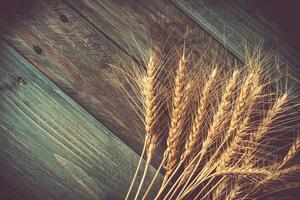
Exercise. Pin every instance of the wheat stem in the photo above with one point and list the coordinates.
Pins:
(144, 176)
(218, 122)
(153, 179)
(150, 102)
(136, 172)
(199, 116)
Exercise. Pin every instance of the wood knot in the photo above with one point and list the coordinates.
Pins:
(38, 50)
(63, 18)
(21, 81)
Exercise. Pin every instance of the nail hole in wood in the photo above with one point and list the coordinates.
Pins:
(38, 50)
(63, 18)
(21, 81)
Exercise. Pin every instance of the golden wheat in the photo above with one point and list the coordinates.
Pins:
(174, 137)
(219, 143)
(237, 127)
(219, 120)
(249, 93)
(150, 101)
(292, 152)
(264, 127)
(198, 119)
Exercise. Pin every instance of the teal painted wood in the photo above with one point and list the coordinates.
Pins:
(76, 56)
(236, 22)
(73, 43)
(50, 147)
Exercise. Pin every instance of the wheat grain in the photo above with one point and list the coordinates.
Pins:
(241, 117)
(264, 126)
(221, 116)
(150, 102)
(199, 116)
(292, 152)
(219, 119)
(174, 137)
(231, 169)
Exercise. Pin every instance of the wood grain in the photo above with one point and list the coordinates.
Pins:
(235, 23)
(73, 43)
(76, 56)
(50, 147)
(140, 25)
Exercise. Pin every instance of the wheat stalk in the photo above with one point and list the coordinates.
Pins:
(229, 162)
(199, 116)
(150, 102)
(175, 134)
(264, 126)
(238, 126)
(219, 120)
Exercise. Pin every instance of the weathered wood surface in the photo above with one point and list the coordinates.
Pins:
(236, 22)
(50, 147)
(76, 56)
(73, 42)
(135, 24)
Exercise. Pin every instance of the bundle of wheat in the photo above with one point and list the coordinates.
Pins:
(230, 133)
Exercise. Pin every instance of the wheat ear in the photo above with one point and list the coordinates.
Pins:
(262, 130)
(185, 102)
(236, 126)
(150, 98)
(219, 119)
(292, 152)
(253, 80)
(241, 117)
(264, 126)
(174, 137)
(280, 188)
(198, 119)
(229, 154)
(272, 113)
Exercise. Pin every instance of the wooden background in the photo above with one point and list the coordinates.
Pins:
(66, 130)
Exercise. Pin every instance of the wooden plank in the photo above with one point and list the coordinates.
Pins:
(133, 25)
(154, 22)
(236, 22)
(50, 147)
(76, 56)
(74, 48)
